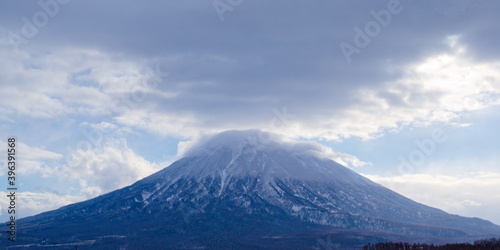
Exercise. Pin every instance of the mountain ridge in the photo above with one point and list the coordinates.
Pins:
(236, 181)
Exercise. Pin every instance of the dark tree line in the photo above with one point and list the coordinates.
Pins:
(489, 244)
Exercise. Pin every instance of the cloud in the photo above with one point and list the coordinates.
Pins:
(31, 203)
(474, 194)
(159, 123)
(106, 167)
(348, 160)
(67, 81)
(34, 160)
(417, 72)
(103, 126)
(263, 140)
(435, 89)
(36, 153)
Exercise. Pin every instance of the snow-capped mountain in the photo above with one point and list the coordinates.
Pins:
(250, 189)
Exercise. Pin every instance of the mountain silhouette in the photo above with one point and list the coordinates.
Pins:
(248, 190)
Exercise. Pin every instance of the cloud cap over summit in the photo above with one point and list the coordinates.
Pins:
(255, 138)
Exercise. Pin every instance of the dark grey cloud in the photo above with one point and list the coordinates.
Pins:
(264, 54)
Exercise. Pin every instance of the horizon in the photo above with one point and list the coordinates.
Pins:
(404, 93)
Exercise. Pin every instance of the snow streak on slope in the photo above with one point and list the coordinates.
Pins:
(236, 181)
(253, 167)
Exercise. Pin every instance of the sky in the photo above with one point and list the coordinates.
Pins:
(100, 94)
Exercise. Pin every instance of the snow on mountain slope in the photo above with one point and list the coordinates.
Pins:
(293, 177)
(239, 180)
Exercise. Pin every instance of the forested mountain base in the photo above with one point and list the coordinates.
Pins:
(490, 244)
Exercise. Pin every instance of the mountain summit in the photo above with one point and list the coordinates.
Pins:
(249, 189)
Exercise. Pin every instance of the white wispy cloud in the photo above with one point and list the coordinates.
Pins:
(105, 167)
(31, 160)
(68, 81)
(437, 89)
(31, 203)
(261, 138)
(76, 81)
(474, 194)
